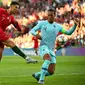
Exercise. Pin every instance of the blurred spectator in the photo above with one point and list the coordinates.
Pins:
(35, 40)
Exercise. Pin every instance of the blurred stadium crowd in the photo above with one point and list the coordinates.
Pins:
(33, 10)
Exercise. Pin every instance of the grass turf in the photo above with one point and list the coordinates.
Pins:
(69, 71)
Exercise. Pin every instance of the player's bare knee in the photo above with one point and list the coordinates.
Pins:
(51, 72)
(11, 44)
(46, 57)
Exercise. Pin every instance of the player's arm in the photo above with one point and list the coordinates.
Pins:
(35, 29)
(16, 24)
(72, 29)
(69, 32)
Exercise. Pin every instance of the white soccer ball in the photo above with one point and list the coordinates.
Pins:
(62, 38)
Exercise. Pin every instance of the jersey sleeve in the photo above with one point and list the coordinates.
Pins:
(12, 19)
(68, 32)
(15, 23)
(36, 28)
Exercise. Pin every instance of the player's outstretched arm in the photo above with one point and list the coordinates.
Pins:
(16, 25)
(69, 32)
(20, 28)
(35, 29)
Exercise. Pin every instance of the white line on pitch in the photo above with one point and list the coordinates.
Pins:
(54, 74)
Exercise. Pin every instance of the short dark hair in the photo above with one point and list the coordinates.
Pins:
(15, 3)
(52, 9)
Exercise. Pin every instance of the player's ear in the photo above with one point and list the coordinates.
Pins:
(12, 6)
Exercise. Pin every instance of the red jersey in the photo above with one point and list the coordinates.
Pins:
(5, 19)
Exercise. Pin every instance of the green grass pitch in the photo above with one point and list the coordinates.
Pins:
(70, 70)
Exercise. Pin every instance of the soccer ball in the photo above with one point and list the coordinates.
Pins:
(62, 38)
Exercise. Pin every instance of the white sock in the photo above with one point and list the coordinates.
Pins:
(27, 57)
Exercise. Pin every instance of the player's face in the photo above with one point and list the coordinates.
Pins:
(14, 9)
(51, 16)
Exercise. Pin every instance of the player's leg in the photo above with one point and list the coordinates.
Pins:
(36, 51)
(50, 72)
(39, 76)
(2, 38)
(1, 50)
(51, 68)
(44, 53)
(44, 68)
(12, 45)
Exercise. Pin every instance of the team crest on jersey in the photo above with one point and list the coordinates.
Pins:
(45, 28)
(54, 26)
(9, 19)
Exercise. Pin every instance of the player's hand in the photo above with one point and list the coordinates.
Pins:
(22, 31)
(76, 21)
(38, 37)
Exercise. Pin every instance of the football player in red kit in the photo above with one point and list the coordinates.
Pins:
(6, 18)
(35, 44)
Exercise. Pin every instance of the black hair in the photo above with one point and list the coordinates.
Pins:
(52, 9)
(15, 3)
